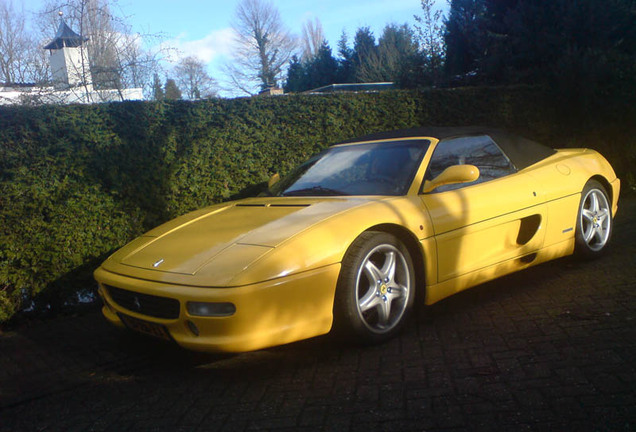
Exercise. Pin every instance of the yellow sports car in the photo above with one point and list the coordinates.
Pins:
(354, 236)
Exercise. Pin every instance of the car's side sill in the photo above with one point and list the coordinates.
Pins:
(437, 292)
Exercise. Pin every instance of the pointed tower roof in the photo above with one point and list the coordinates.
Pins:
(65, 37)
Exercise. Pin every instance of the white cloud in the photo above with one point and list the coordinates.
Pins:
(217, 43)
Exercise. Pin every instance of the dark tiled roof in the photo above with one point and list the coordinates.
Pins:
(65, 37)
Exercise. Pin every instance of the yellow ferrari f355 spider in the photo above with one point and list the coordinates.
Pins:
(354, 236)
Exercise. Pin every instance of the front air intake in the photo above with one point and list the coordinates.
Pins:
(145, 304)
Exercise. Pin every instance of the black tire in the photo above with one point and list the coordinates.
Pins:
(373, 311)
(594, 224)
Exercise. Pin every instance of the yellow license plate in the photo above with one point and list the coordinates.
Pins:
(145, 327)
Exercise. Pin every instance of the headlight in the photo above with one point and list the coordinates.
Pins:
(211, 309)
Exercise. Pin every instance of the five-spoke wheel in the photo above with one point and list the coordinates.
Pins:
(594, 222)
(376, 287)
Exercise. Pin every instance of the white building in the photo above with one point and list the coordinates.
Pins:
(71, 77)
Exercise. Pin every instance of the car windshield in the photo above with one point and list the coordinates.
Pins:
(385, 168)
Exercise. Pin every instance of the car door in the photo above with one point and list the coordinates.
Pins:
(498, 217)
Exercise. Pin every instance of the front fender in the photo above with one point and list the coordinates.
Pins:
(326, 242)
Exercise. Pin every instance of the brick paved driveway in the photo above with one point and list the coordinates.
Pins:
(552, 348)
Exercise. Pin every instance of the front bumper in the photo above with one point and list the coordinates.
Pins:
(269, 313)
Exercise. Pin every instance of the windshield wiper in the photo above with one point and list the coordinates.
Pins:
(314, 191)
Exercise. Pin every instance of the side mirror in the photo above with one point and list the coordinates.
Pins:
(452, 175)
(273, 180)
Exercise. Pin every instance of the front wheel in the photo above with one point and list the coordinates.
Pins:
(376, 288)
(594, 221)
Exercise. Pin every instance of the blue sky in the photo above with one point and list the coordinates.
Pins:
(202, 27)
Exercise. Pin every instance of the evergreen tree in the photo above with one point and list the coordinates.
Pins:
(157, 90)
(296, 76)
(464, 36)
(319, 71)
(400, 56)
(323, 69)
(396, 57)
(584, 50)
(171, 90)
(364, 51)
(346, 67)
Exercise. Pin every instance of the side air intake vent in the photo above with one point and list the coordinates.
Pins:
(529, 227)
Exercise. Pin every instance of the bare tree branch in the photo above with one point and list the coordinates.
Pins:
(312, 39)
(194, 80)
(264, 46)
(20, 59)
(117, 59)
(430, 30)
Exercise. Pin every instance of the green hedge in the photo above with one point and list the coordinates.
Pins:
(76, 182)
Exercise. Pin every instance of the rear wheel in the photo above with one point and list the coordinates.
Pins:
(376, 288)
(594, 221)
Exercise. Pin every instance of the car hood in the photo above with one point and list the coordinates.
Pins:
(227, 238)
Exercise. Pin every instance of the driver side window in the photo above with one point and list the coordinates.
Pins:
(480, 151)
